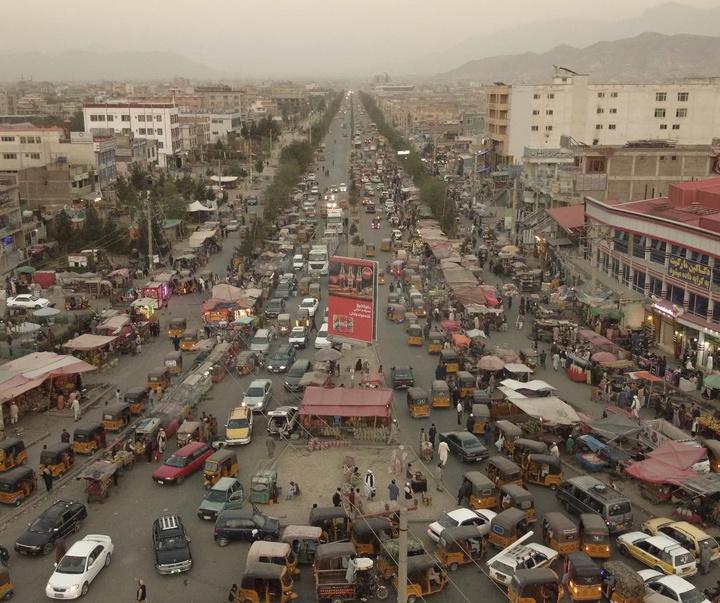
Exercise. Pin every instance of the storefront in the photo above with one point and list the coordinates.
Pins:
(661, 326)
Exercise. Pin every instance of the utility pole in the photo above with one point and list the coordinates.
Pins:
(513, 228)
(402, 557)
(151, 264)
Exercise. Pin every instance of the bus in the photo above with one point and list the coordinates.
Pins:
(336, 220)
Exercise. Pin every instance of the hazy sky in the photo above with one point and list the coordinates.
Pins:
(293, 37)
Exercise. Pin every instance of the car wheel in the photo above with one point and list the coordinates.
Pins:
(460, 457)
(48, 548)
(382, 592)
(180, 480)
(624, 550)
(453, 567)
(108, 559)
(77, 526)
(38, 306)
(268, 539)
(223, 541)
(85, 589)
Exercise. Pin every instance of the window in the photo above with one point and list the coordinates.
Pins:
(601, 95)
(159, 132)
(533, 128)
(663, 126)
(611, 126)
(141, 118)
(683, 97)
(676, 126)
(536, 112)
(660, 97)
(32, 155)
(659, 112)
(127, 131)
(124, 118)
(698, 305)
(536, 96)
(150, 131)
(549, 112)
(93, 118)
(9, 155)
(657, 251)
(600, 110)
(676, 295)
(679, 251)
(621, 241)
(681, 113)
(595, 165)
(638, 282)
(655, 286)
(625, 276)
(598, 126)
(638, 246)
(613, 111)
(7, 138)
(615, 269)
(23, 140)
(158, 118)
(551, 96)
(110, 118)
(699, 257)
(141, 131)
(160, 145)
(548, 128)
(100, 118)
(613, 95)
(716, 313)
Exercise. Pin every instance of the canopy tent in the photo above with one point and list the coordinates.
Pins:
(702, 485)
(343, 402)
(455, 276)
(227, 293)
(613, 426)
(475, 333)
(88, 342)
(657, 472)
(677, 454)
(196, 206)
(550, 409)
(114, 324)
(596, 340)
(491, 296)
(469, 295)
(510, 394)
(534, 386)
(197, 239)
(224, 179)
(516, 367)
(124, 272)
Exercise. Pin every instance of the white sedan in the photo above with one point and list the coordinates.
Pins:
(27, 301)
(343, 187)
(310, 304)
(462, 517)
(258, 395)
(79, 567)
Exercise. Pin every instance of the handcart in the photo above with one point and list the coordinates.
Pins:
(99, 478)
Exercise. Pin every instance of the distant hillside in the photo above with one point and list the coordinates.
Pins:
(96, 66)
(647, 57)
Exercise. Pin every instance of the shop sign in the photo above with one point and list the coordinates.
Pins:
(690, 272)
(352, 299)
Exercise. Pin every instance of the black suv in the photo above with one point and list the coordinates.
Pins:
(172, 545)
(238, 524)
(58, 521)
(275, 307)
(282, 358)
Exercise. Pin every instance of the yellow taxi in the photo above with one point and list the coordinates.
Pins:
(658, 552)
(239, 426)
(688, 535)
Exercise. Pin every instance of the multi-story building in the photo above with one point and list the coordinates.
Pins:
(134, 152)
(538, 116)
(155, 121)
(10, 219)
(54, 186)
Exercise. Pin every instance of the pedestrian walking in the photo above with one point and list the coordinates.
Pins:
(465, 491)
(408, 493)
(313, 326)
(369, 485)
(138, 344)
(635, 407)
(141, 594)
(75, 405)
(393, 490)
(570, 445)
(459, 410)
(443, 451)
(705, 557)
(14, 413)
(270, 444)
(543, 357)
(176, 343)
(554, 450)
(393, 437)
(556, 361)
(337, 498)
(520, 321)
(118, 395)
(47, 478)
(351, 498)
(60, 549)
(432, 434)
(487, 434)
(439, 473)
(161, 440)
(65, 436)
(151, 398)
(422, 438)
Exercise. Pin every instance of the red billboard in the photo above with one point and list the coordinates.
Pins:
(352, 299)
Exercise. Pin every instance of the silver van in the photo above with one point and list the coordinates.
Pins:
(225, 490)
(261, 342)
(586, 494)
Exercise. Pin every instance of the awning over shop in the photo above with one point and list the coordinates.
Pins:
(343, 402)
(657, 472)
(490, 298)
(561, 242)
(536, 385)
(88, 342)
(550, 409)
(677, 454)
(197, 239)
(570, 218)
(196, 206)
(702, 485)
(115, 324)
(596, 340)
(613, 426)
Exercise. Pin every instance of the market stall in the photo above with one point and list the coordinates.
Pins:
(98, 350)
(158, 291)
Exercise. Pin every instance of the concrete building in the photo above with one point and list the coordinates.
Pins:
(537, 116)
(134, 152)
(155, 121)
(11, 230)
(52, 187)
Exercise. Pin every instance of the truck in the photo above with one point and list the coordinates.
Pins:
(336, 220)
(654, 432)
(319, 256)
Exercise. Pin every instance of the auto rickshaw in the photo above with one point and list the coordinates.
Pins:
(278, 553)
(58, 458)
(418, 403)
(87, 440)
(410, 320)
(17, 484)
(622, 584)
(189, 340)
(594, 536)
(302, 318)
(284, 324)
(136, 397)
(369, 250)
(380, 277)
(158, 378)
(76, 301)
(440, 394)
(503, 471)
(304, 285)
(303, 540)
(393, 298)
(460, 545)
(507, 526)
(315, 291)
(12, 454)
(544, 470)
(509, 431)
(116, 416)
(466, 383)
(425, 576)
(522, 448)
(449, 360)
(485, 494)
(265, 583)
(584, 578)
(185, 286)
(189, 431)
(415, 335)
(537, 585)
(173, 362)
(417, 282)
(177, 327)
(435, 342)
(514, 496)
(385, 245)
(221, 463)
(529, 357)
(367, 534)
(333, 521)
(481, 414)
(419, 307)
(246, 362)
(389, 554)
(559, 532)
(395, 313)
(7, 588)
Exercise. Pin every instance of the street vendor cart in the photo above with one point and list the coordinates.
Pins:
(99, 477)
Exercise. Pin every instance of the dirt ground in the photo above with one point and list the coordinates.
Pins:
(320, 472)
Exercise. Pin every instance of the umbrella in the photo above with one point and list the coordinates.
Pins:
(46, 312)
(461, 339)
(473, 333)
(25, 270)
(603, 357)
(490, 363)
(328, 355)
(510, 249)
(712, 381)
(26, 327)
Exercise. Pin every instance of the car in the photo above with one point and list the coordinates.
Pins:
(298, 337)
(659, 552)
(311, 176)
(343, 186)
(28, 301)
(282, 358)
(321, 339)
(79, 567)
(238, 524)
(239, 426)
(674, 587)
(223, 493)
(232, 226)
(295, 374)
(251, 200)
(502, 567)
(315, 190)
(53, 524)
(396, 235)
(310, 304)
(376, 223)
(464, 445)
(182, 463)
(283, 421)
(275, 307)
(172, 545)
(402, 376)
(462, 517)
(284, 290)
(258, 394)
(298, 262)
(684, 533)
(334, 189)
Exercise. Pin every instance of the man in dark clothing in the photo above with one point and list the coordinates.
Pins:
(336, 498)
(465, 491)
(65, 436)
(432, 434)
(426, 330)
(543, 357)
(470, 423)
(47, 478)
(358, 365)
(313, 326)
(176, 343)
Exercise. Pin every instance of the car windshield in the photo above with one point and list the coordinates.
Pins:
(296, 372)
(42, 524)
(683, 559)
(622, 508)
(501, 567)
(469, 443)
(298, 332)
(216, 496)
(71, 564)
(176, 461)
(307, 304)
(255, 392)
(237, 423)
(448, 522)
(279, 355)
(174, 542)
(692, 596)
(259, 520)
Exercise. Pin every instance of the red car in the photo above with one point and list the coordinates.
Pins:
(184, 462)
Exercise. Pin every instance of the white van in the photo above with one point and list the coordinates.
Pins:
(322, 341)
(261, 342)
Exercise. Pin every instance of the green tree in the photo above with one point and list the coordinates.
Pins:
(259, 165)
(92, 226)
(64, 233)
(357, 243)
